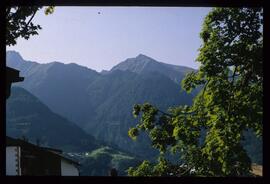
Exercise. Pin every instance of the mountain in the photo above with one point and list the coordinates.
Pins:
(144, 64)
(104, 72)
(28, 117)
(116, 95)
(253, 146)
(60, 86)
(102, 104)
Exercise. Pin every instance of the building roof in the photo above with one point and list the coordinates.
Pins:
(13, 75)
(18, 142)
(67, 159)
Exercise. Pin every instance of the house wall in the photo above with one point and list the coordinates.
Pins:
(13, 155)
(68, 169)
(35, 162)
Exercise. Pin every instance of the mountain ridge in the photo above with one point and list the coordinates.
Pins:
(98, 102)
(28, 116)
(15, 60)
(13, 56)
(144, 64)
(101, 104)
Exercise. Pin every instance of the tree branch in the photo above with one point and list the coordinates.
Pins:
(234, 73)
(30, 20)
(170, 115)
(205, 87)
(181, 174)
(8, 11)
(165, 113)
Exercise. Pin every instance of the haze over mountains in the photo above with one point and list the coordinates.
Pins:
(28, 117)
(101, 103)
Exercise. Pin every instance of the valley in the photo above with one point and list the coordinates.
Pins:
(88, 114)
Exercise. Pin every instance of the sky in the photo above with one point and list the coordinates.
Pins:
(101, 37)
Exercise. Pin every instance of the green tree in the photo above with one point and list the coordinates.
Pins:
(208, 133)
(19, 22)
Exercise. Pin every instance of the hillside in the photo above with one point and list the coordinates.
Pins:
(101, 103)
(61, 87)
(99, 162)
(28, 117)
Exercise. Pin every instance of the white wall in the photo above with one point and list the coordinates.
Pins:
(68, 169)
(13, 154)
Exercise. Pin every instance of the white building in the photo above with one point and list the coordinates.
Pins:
(23, 158)
(13, 166)
(68, 169)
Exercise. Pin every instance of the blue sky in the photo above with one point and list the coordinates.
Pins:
(99, 41)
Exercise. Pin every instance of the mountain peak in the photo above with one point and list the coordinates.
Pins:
(137, 64)
(14, 55)
(142, 57)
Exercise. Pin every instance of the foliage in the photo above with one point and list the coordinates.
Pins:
(162, 168)
(229, 103)
(100, 161)
(19, 22)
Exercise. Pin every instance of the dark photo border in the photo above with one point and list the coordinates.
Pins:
(126, 180)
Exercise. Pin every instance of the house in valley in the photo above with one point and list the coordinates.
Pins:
(24, 158)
